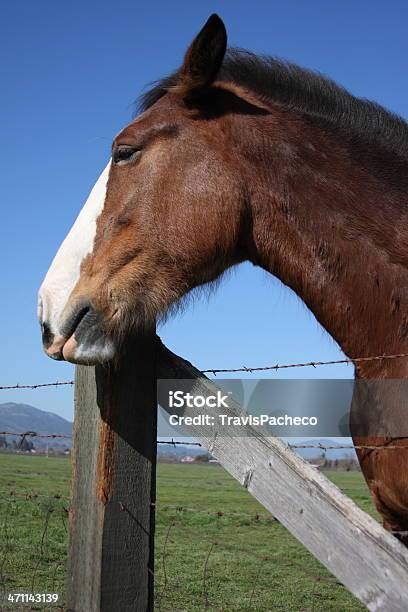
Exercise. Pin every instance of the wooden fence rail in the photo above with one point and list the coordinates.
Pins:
(111, 550)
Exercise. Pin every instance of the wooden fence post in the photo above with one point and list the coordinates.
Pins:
(111, 553)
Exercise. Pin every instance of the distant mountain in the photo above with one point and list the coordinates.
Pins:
(20, 418)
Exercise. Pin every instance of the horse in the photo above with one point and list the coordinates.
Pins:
(236, 157)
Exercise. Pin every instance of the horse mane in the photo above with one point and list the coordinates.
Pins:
(305, 91)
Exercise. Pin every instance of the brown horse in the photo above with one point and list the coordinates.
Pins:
(236, 157)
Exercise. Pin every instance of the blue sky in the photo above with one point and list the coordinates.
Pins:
(69, 75)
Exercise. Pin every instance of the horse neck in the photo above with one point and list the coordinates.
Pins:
(335, 230)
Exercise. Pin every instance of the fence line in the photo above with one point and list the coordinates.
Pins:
(219, 513)
(32, 496)
(315, 445)
(34, 434)
(307, 364)
(178, 508)
(215, 371)
(37, 386)
(326, 447)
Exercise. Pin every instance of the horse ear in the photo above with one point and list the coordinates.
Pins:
(203, 58)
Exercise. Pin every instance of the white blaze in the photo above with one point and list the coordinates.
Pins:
(64, 271)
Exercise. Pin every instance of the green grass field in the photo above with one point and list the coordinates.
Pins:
(216, 547)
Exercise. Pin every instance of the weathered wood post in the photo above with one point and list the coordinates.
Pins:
(111, 552)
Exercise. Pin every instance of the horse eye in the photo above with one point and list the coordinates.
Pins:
(124, 154)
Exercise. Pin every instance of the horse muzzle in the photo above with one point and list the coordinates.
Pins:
(80, 338)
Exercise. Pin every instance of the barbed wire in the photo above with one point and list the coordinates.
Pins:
(34, 495)
(179, 442)
(38, 385)
(178, 508)
(306, 364)
(315, 445)
(215, 371)
(256, 516)
(34, 434)
(326, 447)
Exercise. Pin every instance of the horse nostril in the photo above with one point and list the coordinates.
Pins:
(47, 335)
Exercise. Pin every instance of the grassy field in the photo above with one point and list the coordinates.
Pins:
(216, 547)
